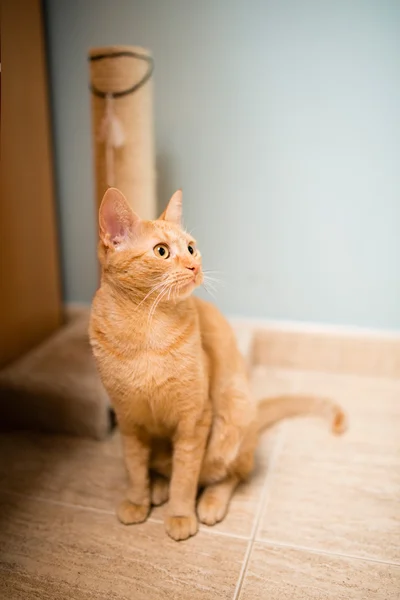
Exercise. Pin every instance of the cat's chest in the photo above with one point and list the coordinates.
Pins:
(153, 394)
(152, 381)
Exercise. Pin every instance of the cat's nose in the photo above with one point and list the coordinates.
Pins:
(194, 269)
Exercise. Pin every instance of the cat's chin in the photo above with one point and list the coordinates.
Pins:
(186, 290)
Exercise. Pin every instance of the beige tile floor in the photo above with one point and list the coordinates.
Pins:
(319, 520)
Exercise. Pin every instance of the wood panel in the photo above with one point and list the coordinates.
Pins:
(30, 300)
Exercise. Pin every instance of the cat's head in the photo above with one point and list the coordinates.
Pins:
(157, 258)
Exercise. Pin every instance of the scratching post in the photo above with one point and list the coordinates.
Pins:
(122, 124)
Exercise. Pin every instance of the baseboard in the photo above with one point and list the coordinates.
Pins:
(308, 327)
(348, 350)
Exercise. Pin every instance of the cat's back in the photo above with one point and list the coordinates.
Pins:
(213, 324)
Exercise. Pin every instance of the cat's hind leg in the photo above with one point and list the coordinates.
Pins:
(159, 489)
(214, 500)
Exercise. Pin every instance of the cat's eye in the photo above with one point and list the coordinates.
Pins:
(191, 248)
(161, 250)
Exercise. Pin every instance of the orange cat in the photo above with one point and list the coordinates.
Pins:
(170, 364)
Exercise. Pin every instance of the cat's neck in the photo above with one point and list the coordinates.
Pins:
(143, 321)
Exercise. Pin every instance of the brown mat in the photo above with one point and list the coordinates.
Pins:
(55, 388)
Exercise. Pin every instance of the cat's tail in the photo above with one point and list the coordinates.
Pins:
(272, 410)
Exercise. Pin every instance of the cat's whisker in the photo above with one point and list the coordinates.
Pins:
(164, 280)
(166, 289)
(210, 283)
(156, 303)
(215, 284)
(153, 289)
(170, 284)
(150, 316)
(160, 289)
(208, 271)
(212, 291)
(212, 277)
(208, 291)
(209, 278)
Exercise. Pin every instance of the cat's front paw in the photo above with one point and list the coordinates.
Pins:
(181, 528)
(130, 514)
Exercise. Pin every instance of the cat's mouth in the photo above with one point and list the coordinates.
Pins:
(187, 286)
(197, 278)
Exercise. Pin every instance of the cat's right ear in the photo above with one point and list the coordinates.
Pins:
(117, 221)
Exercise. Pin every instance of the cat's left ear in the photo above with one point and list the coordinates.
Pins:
(173, 212)
(117, 221)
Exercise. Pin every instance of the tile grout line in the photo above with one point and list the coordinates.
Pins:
(276, 450)
(211, 531)
(44, 500)
(104, 511)
(277, 544)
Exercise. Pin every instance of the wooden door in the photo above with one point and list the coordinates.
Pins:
(30, 299)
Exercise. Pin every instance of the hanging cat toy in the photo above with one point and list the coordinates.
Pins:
(111, 132)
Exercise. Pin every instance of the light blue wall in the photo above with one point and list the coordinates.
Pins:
(281, 122)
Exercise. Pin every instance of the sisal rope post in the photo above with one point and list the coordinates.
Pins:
(122, 125)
